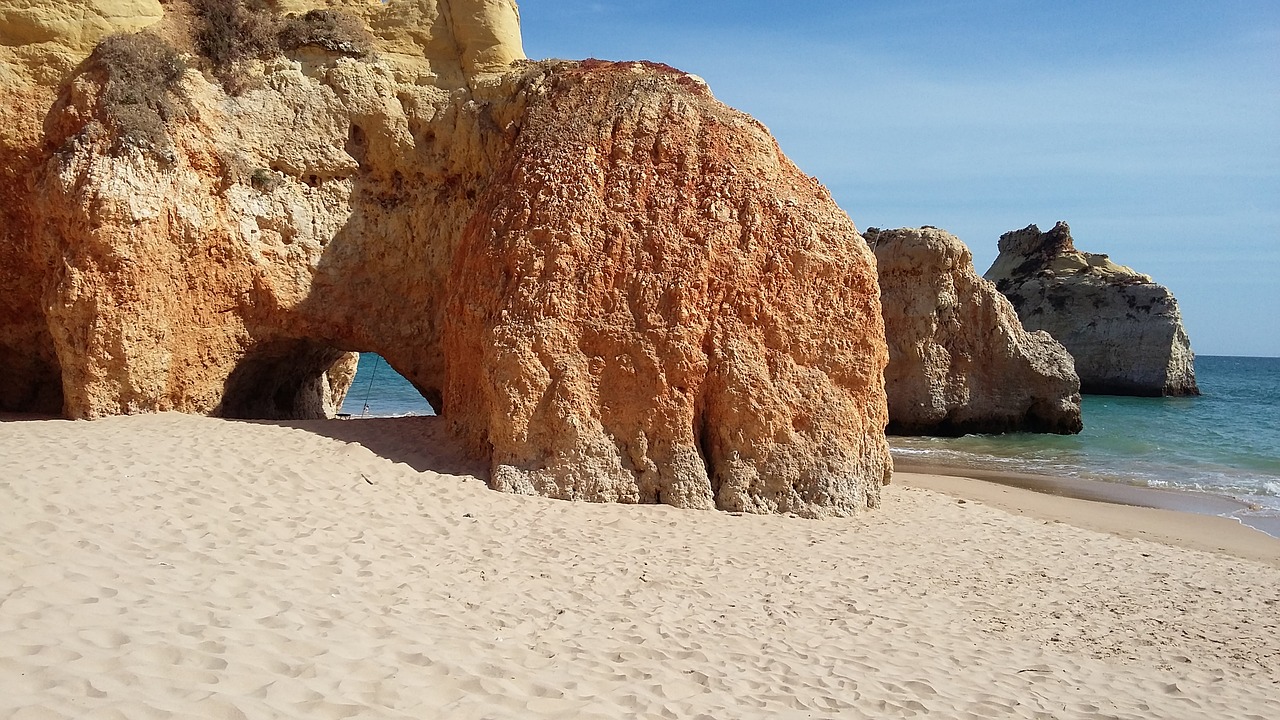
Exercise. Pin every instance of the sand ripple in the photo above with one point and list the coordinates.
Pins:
(182, 567)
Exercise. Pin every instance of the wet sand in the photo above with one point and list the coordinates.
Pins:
(1193, 520)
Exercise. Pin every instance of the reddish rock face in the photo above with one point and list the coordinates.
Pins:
(610, 284)
(654, 305)
(30, 379)
(40, 43)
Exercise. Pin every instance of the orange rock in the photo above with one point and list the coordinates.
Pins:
(609, 283)
(30, 379)
(40, 42)
(655, 305)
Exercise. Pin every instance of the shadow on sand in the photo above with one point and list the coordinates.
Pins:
(423, 443)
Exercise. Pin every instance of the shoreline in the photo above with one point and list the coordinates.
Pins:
(1112, 493)
(1164, 516)
(1184, 518)
(1239, 534)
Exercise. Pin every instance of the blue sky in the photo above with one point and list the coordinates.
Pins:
(1152, 128)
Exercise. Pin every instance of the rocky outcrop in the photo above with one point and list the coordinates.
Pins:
(1124, 330)
(654, 292)
(30, 378)
(40, 42)
(442, 43)
(959, 360)
(611, 285)
(45, 39)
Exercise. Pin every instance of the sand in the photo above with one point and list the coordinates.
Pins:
(176, 566)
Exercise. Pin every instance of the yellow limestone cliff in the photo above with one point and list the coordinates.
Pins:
(44, 39)
(609, 284)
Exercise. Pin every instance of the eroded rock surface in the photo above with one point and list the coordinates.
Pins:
(656, 296)
(610, 284)
(30, 378)
(44, 39)
(959, 359)
(443, 43)
(40, 42)
(1124, 330)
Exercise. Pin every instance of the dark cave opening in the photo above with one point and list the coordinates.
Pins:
(284, 379)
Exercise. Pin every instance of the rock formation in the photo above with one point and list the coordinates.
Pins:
(40, 42)
(29, 375)
(1124, 330)
(959, 360)
(608, 283)
(46, 38)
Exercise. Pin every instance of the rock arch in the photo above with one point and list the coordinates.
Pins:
(611, 286)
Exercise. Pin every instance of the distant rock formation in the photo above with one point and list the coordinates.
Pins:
(1124, 330)
(959, 360)
(610, 284)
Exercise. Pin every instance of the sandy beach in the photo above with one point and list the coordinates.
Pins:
(177, 566)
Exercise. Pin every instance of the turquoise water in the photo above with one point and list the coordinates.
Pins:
(1226, 441)
(379, 391)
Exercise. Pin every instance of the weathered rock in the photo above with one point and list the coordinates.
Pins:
(29, 373)
(44, 39)
(665, 309)
(1124, 330)
(442, 43)
(609, 283)
(959, 359)
(40, 42)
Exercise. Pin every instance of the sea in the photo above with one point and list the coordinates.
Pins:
(379, 391)
(1225, 442)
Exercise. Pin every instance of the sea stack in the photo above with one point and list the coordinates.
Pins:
(1123, 329)
(610, 285)
(959, 359)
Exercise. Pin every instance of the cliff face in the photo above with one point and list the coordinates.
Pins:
(145, 288)
(40, 42)
(959, 360)
(1124, 330)
(29, 375)
(442, 43)
(44, 39)
(610, 284)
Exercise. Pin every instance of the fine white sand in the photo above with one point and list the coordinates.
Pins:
(176, 566)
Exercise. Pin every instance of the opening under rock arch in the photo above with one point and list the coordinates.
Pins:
(30, 381)
(281, 380)
(383, 391)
